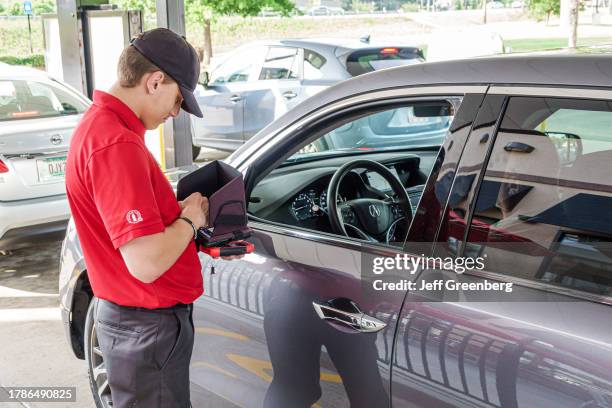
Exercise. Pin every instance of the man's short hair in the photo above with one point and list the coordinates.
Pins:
(133, 66)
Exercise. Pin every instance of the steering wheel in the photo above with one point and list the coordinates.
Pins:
(372, 219)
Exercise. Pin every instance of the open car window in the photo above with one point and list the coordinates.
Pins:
(405, 138)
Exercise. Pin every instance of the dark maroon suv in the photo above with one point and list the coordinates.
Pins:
(504, 160)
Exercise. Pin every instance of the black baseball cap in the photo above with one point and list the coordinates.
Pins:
(172, 54)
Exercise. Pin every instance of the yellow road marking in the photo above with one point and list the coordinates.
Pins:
(261, 367)
(255, 366)
(213, 367)
(219, 332)
(329, 377)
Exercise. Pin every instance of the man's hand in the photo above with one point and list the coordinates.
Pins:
(195, 207)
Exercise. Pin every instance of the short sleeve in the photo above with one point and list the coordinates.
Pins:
(121, 184)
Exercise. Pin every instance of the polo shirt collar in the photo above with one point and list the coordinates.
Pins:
(127, 115)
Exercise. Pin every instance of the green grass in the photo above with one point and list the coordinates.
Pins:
(541, 44)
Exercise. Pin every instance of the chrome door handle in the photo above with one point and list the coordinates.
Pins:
(236, 98)
(346, 312)
(289, 95)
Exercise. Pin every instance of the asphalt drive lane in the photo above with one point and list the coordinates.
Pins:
(35, 352)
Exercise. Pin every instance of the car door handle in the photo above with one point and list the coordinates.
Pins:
(519, 147)
(289, 95)
(345, 312)
(235, 98)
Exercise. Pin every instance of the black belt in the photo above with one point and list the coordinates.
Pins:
(178, 306)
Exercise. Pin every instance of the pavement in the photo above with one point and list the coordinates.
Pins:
(35, 352)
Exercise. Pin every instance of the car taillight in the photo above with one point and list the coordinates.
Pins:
(389, 51)
(3, 167)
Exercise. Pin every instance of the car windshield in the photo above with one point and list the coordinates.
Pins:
(410, 127)
(30, 99)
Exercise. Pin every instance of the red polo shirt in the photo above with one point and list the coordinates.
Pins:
(117, 192)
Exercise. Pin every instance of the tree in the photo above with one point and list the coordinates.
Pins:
(572, 38)
(544, 8)
(44, 6)
(204, 11)
(16, 9)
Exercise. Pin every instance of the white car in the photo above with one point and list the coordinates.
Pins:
(37, 117)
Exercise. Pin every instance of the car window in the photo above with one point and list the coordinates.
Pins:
(313, 62)
(280, 63)
(238, 68)
(543, 210)
(363, 61)
(423, 124)
(27, 99)
(295, 193)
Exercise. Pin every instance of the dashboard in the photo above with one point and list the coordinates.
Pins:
(297, 194)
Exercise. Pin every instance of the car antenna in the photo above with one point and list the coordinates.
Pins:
(365, 39)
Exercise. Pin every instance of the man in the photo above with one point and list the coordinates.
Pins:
(137, 240)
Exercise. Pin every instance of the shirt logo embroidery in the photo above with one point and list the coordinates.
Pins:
(133, 217)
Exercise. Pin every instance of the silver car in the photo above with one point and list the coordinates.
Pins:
(261, 81)
(37, 117)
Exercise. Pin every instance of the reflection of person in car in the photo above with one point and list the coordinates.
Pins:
(295, 336)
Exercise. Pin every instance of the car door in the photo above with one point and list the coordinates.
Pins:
(277, 90)
(223, 101)
(267, 330)
(528, 200)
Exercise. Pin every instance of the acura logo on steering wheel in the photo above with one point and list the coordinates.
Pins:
(374, 211)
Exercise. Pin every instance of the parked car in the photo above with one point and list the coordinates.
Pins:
(495, 5)
(261, 81)
(37, 116)
(325, 11)
(521, 179)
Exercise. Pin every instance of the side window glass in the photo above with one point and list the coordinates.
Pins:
(239, 68)
(544, 208)
(280, 63)
(313, 62)
(406, 139)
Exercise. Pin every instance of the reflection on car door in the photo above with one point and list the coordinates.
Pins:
(532, 214)
(223, 102)
(277, 90)
(261, 342)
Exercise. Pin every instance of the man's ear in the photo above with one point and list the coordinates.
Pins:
(153, 80)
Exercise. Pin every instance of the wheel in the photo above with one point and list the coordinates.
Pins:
(195, 151)
(96, 369)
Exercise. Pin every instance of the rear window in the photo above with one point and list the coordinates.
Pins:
(363, 61)
(29, 99)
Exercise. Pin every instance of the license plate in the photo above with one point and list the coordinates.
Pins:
(52, 169)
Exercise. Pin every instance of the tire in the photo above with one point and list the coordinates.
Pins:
(195, 151)
(95, 362)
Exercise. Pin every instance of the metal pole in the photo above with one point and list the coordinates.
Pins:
(30, 31)
(178, 137)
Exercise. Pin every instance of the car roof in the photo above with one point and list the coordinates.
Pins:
(551, 70)
(8, 71)
(331, 43)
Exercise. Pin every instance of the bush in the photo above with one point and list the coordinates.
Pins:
(35, 60)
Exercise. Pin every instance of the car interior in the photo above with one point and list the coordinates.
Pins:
(361, 179)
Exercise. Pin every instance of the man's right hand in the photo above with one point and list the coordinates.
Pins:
(195, 207)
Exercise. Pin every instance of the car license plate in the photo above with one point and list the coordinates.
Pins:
(52, 169)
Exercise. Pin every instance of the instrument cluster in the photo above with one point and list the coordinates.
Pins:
(310, 203)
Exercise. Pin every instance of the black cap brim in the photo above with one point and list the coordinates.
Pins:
(190, 104)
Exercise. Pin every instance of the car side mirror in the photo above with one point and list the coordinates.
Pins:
(204, 78)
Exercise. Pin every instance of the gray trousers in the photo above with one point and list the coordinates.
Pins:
(146, 354)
